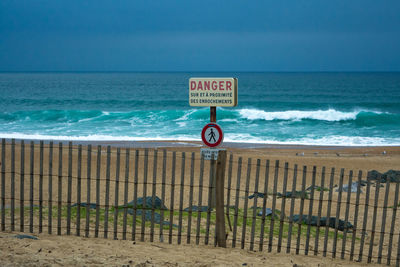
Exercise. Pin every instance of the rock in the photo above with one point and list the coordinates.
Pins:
(324, 221)
(147, 216)
(392, 175)
(198, 208)
(353, 188)
(147, 203)
(256, 194)
(84, 205)
(317, 188)
(26, 237)
(296, 194)
(374, 175)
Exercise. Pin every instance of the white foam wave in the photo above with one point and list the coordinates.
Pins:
(295, 115)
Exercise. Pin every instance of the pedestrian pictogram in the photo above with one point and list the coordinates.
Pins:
(212, 135)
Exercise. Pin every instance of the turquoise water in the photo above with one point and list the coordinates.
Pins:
(288, 108)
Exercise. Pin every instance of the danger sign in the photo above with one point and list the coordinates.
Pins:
(213, 92)
(212, 135)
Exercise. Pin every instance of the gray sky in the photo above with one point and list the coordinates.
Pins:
(298, 35)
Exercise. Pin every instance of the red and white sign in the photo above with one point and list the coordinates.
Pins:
(213, 92)
(212, 135)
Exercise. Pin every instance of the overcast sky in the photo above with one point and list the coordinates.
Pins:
(298, 35)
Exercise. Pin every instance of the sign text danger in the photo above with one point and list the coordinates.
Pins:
(215, 92)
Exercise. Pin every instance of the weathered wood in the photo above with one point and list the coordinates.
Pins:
(321, 197)
(189, 223)
(163, 180)
(12, 185)
(261, 243)
(338, 205)
(310, 209)
(50, 190)
(171, 208)
(98, 166)
(126, 185)
(210, 199)
(355, 222)
(385, 207)
(153, 195)
(364, 227)
(283, 205)
(272, 222)
(346, 216)
(88, 178)
(107, 198)
(200, 200)
(289, 240)
(181, 197)
(394, 212)
(228, 193)
(3, 184)
(79, 191)
(246, 201)
(116, 192)
(371, 242)
(398, 252)
(144, 207)
(59, 188)
(69, 192)
(135, 189)
(41, 188)
(219, 199)
(328, 212)
(31, 186)
(235, 218)
(303, 196)
(253, 224)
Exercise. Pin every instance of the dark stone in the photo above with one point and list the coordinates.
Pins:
(296, 194)
(268, 212)
(374, 175)
(26, 236)
(392, 175)
(147, 203)
(256, 194)
(147, 216)
(199, 208)
(324, 221)
(84, 205)
(317, 188)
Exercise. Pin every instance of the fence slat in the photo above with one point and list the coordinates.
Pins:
(235, 218)
(210, 198)
(106, 204)
(200, 202)
(289, 241)
(164, 174)
(31, 185)
(303, 195)
(98, 166)
(59, 188)
(371, 242)
(338, 205)
(189, 223)
(153, 195)
(328, 212)
(264, 207)
(283, 205)
(3, 184)
(88, 173)
(50, 196)
(144, 206)
(171, 209)
(398, 252)
(364, 227)
(395, 203)
(69, 192)
(385, 207)
(22, 188)
(181, 197)
(126, 193)
(135, 189)
(116, 192)
(246, 201)
(321, 197)
(272, 222)
(41, 188)
(310, 209)
(228, 191)
(353, 237)
(13, 184)
(346, 218)
(79, 191)
(253, 224)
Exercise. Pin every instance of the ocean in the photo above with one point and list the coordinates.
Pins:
(345, 109)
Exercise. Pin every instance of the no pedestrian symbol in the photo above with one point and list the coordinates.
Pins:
(212, 135)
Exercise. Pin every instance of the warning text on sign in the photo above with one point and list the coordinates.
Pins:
(215, 92)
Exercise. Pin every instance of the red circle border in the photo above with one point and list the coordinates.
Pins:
(221, 134)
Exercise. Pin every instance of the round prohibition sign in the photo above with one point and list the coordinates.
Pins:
(212, 135)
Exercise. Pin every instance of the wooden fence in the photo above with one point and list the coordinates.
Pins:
(166, 196)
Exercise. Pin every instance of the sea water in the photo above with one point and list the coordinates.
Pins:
(288, 108)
